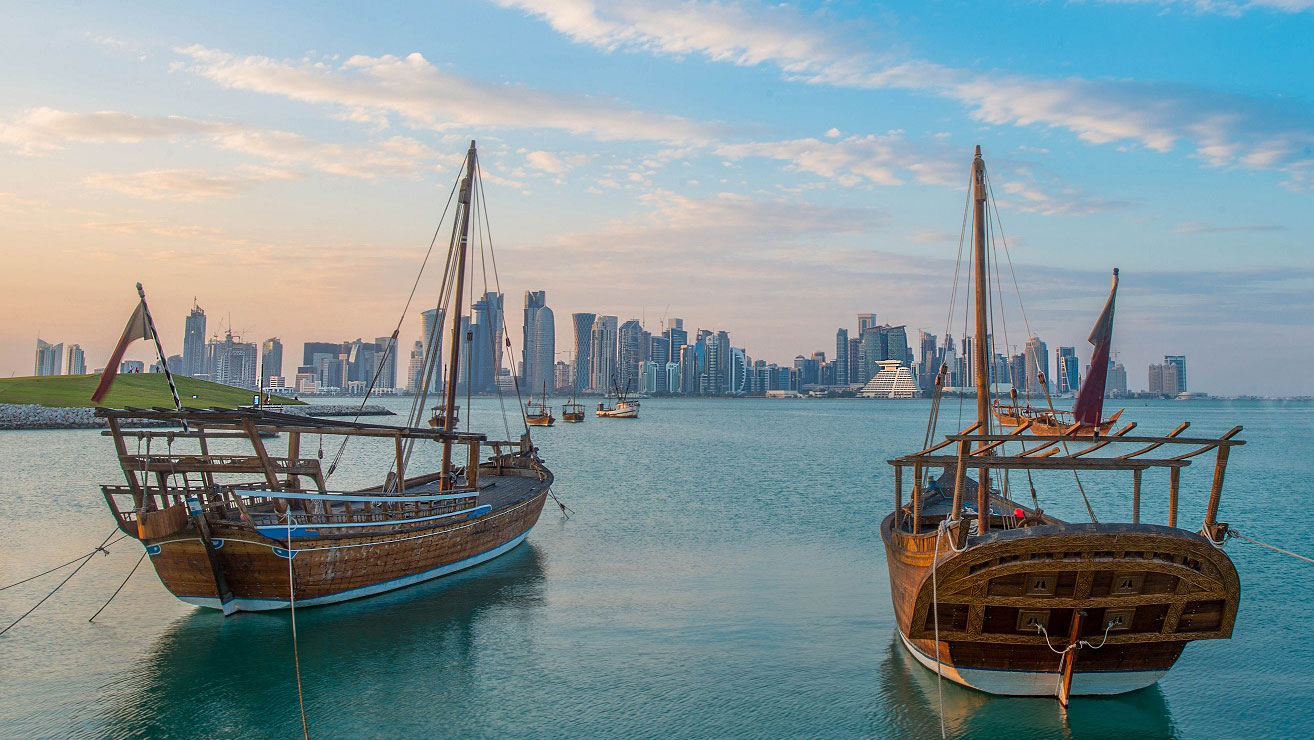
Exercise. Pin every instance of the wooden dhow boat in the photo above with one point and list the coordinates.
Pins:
(1007, 599)
(233, 525)
(539, 414)
(572, 412)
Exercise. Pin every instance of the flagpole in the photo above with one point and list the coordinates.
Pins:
(164, 361)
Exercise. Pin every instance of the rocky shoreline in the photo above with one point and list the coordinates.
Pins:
(32, 416)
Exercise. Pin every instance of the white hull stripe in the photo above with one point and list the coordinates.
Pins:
(1038, 683)
(255, 605)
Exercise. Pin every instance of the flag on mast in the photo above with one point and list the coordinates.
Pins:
(139, 327)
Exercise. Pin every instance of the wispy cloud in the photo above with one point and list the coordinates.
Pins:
(1223, 129)
(886, 159)
(1032, 197)
(39, 130)
(1225, 7)
(422, 96)
(181, 184)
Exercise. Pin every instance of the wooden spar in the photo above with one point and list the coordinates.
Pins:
(1216, 491)
(461, 235)
(916, 497)
(981, 351)
(1174, 483)
(898, 493)
(138, 498)
(1070, 657)
(1136, 495)
(293, 454)
(401, 464)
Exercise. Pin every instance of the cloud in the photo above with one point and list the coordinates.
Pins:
(1031, 197)
(12, 203)
(45, 129)
(1226, 7)
(878, 160)
(1223, 129)
(185, 185)
(423, 96)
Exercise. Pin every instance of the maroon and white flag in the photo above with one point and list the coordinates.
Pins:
(1089, 409)
(139, 327)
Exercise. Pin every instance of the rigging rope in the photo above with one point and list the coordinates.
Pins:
(120, 588)
(1233, 533)
(87, 559)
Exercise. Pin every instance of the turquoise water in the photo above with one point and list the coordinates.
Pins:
(723, 577)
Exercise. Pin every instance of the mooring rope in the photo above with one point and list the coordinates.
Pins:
(57, 567)
(120, 588)
(85, 560)
(1234, 533)
(292, 604)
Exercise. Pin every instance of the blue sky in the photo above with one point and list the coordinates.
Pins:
(766, 169)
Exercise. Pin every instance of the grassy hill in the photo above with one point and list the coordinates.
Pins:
(143, 390)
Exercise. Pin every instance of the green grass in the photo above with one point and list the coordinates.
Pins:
(143, 390)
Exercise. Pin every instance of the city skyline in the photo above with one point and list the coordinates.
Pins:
(780, 169)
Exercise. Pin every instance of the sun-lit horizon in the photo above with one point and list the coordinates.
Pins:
(766, 170)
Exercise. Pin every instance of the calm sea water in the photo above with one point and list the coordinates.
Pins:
(722, 577)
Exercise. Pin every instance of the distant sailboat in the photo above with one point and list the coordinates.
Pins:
(539, 414)
(624, 408)
(572, 412)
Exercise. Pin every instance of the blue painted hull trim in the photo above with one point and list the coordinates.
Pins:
(259, 605)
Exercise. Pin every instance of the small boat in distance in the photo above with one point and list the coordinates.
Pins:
(439, 415)
(624, 408)
(1008, 599)
(1086, 417)
(572, 412)
(539, 414)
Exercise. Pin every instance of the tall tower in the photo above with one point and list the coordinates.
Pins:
(539, 342)
(1178, 361)
(77, 360)
(602, 353)
(432, 341)
(866, 321)
(1037, 355)
(842, 357)
(583, 323)
(194, 355)
(271, 360)
(49, 357)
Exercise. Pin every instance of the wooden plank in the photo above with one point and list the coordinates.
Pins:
(1174, 484)
(1136, 453)
(1108, 440)
(1136, 496)
(1054, 462)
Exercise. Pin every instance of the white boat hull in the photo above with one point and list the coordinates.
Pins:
(1038, 683)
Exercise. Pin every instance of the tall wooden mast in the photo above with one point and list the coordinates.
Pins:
(980, 344)
(461, 229)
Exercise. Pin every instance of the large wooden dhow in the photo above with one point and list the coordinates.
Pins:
(231, 525)
(220, 523)
(1007, 599)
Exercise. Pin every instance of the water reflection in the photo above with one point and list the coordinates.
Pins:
(421, 646)
(908, 707)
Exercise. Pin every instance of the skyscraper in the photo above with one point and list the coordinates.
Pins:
(77, 360)
(1037, 357)
(386, 356)
(866, 321)
(49, 357)
(1179, 362)
(415, 368)
(842, 357)
(1069, 378)
(628, 357)
(271, 362)
(432, 339)
(233, 362)
(540, 342)
(1116, 385)
(712, 382)
(583, 323)
(602, 353)
(194, 351)
(930, 362)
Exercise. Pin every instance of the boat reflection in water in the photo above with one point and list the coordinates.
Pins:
(908, 707)
(403, 663)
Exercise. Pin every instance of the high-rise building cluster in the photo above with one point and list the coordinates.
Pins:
(609, 355)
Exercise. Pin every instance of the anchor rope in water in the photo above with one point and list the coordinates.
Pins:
(57, 567)
(140, 560)
(1233, 533)
(292, 604)
(85, 560)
